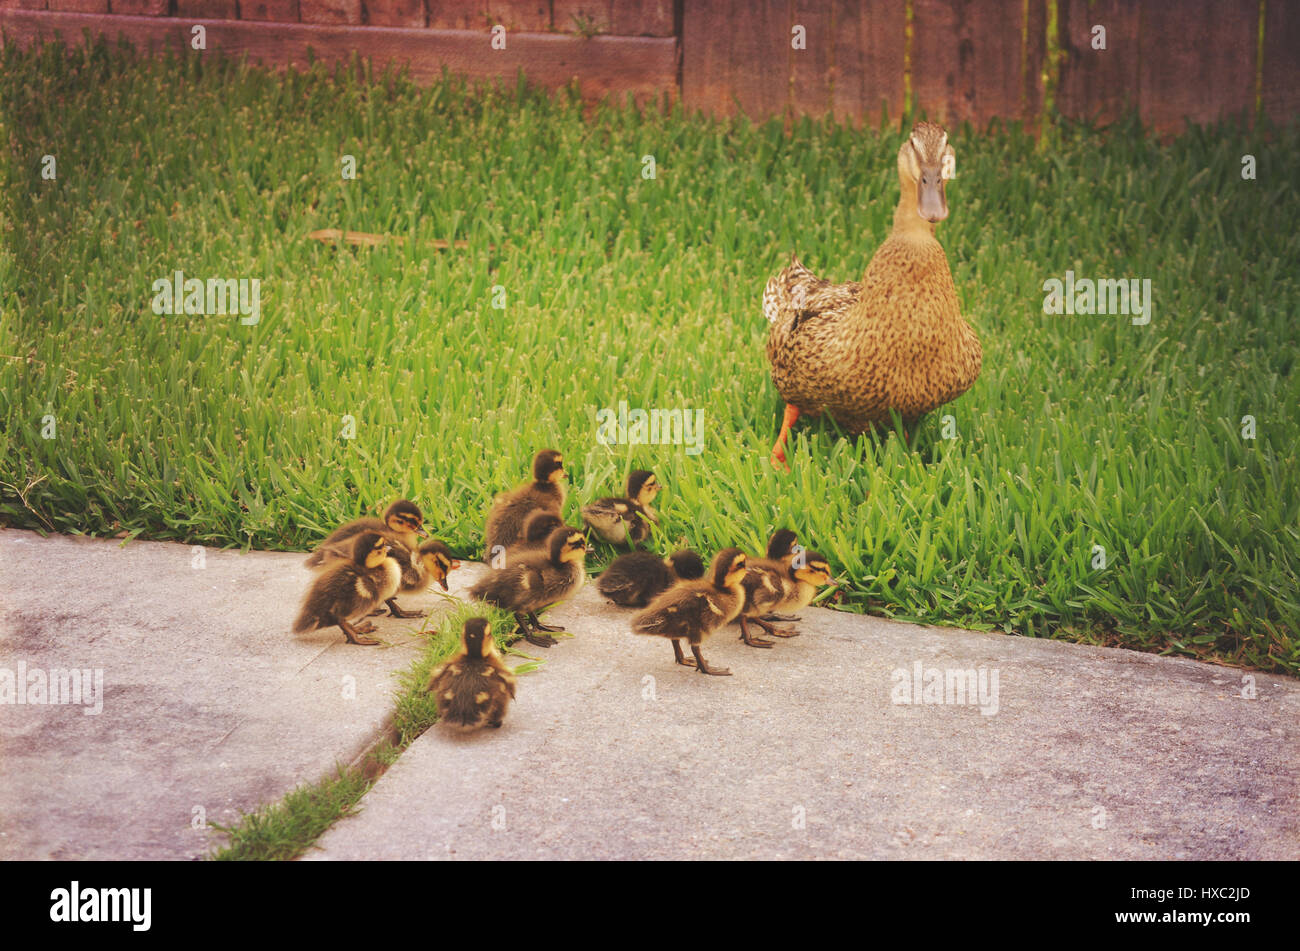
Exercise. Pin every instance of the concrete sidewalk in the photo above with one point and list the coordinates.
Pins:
(612, 751)
(210, 705)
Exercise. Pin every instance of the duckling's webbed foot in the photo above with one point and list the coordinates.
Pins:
(768, 628)
(531, 636)
(781, 618)
(357, 635)
(682, 658)
(539, 626)
(749, 638)
(703, 665)
(365, 627)
(398, 612)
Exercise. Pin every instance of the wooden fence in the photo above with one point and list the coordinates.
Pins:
(1172, 60)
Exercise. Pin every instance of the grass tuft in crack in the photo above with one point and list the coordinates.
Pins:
(286, 829)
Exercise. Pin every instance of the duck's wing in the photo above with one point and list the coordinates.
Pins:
(763, 587)
(796, 296)
(680, 614)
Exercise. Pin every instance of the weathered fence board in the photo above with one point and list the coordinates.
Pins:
(207, 9)
(970, 60)
(283, 11)
(868, 54)
(602, 65)
(1281, 85)
(331, 12)
(810, 67)
(1097, 84)
(393, 13)
(716, 37)
(616, 17)
(1196, 60)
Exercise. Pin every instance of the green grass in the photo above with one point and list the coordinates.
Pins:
(286, 829)
(1081, 431)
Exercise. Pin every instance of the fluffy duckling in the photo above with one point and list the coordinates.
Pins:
(772, 585)
(474, 687)
(538, 527)
(403, 522)
(617, 520)
(781, 549)
(432, 562)
(536, 579)
(695, 609)
(352, 589)
(635, 579)
(505, 522)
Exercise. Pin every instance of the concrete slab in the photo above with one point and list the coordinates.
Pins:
(210, 705)
(612, 752)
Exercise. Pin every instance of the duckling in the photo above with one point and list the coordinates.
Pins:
(538, 527)
(432, 562)
(403, 522)
(782, 547)
(474, 687)
(635, 579)
(617, 520)
(896, 340)
(765, 586)
(695, 609)
(351, 589)
(780, 585)
(505, 522)
(535, 579)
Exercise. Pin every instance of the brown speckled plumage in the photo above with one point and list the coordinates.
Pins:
(896, 339)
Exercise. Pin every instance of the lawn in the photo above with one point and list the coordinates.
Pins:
(411, 368)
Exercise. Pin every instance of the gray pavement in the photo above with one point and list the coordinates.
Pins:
(209, 705)
(809, 751)
(614, 752)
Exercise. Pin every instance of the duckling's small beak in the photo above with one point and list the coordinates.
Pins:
(454, 566)
(443, 582)
(422, 532)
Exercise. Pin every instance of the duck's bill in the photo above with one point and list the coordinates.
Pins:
(931, 203)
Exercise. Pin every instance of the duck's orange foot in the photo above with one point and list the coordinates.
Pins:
(778, 450)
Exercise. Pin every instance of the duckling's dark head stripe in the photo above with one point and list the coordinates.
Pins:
(636, 481)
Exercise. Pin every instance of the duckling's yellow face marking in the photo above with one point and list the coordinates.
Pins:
(558, 473)
(575, 548)
(649, 490)
(403, 523)
(817, 573)
(377, 554)
(438, 565)
(737, 570)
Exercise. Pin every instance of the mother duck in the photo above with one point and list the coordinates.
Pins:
(896, 340)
